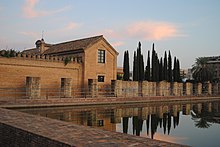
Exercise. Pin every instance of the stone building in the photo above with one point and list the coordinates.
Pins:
(99, 58)
(214, 62)
(67, 69)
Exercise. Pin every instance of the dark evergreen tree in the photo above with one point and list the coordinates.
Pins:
(135, 67)
(161, 74)
(126, 69)
(170, 77)
(157, 63)
(178, 71)
(153, 61)
(165, 67)
(148, 66)
(174, 70)
(138, 65)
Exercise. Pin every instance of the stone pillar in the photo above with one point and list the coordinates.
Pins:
(180, 89)
(175, 89)
(152, 88)
(189, 88)
(93, 87)
(117, 87)
(66, 87)
(134, 85)
(163, 88)
(126, 89)
(33, 87)
(145, 91)
(199, 88)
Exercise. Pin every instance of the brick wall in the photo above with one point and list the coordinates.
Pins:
(11, 136)
(92, 68)
(14, 71)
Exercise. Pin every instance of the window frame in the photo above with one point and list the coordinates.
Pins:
(101, 78)
(101, 56)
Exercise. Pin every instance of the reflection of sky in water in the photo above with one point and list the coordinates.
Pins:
(185, 133)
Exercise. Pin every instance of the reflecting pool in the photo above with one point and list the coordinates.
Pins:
(192, 123)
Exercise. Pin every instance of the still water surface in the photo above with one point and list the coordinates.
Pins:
(191, 123)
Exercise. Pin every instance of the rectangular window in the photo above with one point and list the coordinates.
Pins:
(101, 56)
(101, 78)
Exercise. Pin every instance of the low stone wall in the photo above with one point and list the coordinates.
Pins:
(163, 88)
(20, 129)
(125, 88)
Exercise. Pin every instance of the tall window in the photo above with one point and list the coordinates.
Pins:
(101, 56)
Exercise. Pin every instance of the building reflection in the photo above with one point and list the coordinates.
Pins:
(165, 116)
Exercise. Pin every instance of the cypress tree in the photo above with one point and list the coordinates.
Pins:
(135, 67)
(174, 70)
(153, 64)
(156, 68)
(141, 77)
(169, 68)
(161, 74)
(165, 67)
(138, 65)
(126, 66)
(178, 71)
(147, 75)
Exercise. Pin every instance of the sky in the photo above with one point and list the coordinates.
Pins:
(188, 28)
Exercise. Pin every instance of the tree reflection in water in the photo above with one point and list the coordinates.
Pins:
(204, 117)
(131, 118)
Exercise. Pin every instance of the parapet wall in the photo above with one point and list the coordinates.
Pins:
(163, 88)
(45, 58)
(15, 70)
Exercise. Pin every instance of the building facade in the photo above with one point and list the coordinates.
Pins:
(99, 58)
(66, 69)
(214, 62)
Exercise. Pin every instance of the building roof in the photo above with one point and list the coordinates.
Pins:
(76, 45)
(32, 51)
(79, 44)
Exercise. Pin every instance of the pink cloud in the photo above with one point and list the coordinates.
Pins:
(72, 26)
(118, 43)
(150, 30)
(30, 11)
(111, 33)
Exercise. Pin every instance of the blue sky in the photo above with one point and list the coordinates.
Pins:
(188, 28)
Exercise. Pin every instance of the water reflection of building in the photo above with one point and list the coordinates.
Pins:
(164, 116)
